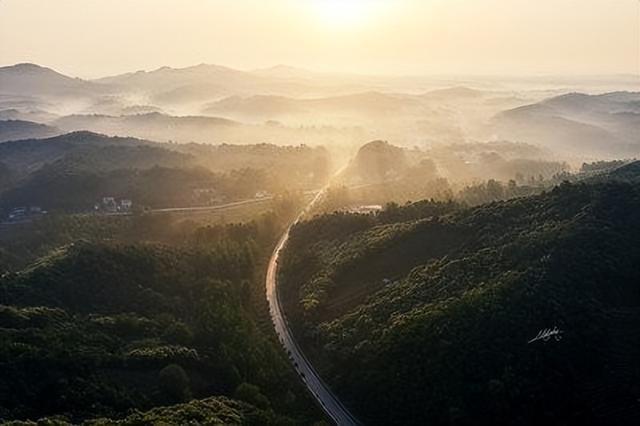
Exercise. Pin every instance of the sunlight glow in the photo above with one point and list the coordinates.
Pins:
(345, 13)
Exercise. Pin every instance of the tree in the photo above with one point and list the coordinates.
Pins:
(251, 393)
(174, 383)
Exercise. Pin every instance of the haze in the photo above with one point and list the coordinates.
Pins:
(94, 38)
(320, 212)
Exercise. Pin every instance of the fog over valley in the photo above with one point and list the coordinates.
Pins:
(287, 106)
(319, 212)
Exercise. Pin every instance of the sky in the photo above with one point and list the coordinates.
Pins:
(94, 38)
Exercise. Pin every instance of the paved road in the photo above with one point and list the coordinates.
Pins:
(320, 391)
(222, 206)
(211, 208)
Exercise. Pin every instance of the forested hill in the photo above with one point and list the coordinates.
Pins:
(628, 172)
(73, 172)
(20, 129)
(428, 316)
(103, 333)
(97, 151)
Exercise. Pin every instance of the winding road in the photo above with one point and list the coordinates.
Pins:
(326, 399)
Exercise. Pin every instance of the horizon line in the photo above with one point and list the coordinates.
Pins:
(438, 74)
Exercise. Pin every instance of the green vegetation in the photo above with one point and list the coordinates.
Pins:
(73, 172)
(426, 317)
(471, 174)
(24, 243)
(600, 166)
(421, 312)
(115, 320)
(215, 411)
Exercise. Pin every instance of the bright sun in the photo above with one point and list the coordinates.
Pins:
(344, 13)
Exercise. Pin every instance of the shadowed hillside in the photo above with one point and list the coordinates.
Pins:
(429, 316)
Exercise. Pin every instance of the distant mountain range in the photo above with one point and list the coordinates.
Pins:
(200, 83)
(286, 105)
(203, 82)
(365, 105)
(18, 129)
(34, 80)
(607, 124)
(200, 129)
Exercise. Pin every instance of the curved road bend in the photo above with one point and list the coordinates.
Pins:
(320, 391)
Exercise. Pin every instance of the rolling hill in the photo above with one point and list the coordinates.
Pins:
(206, 82)
(604, 125)
(72, 172)
(207, 130)
(368, 106)
(153, 126)
(19, 129)
(34, 80)
(27, 114)
(434, 315)
(25, 156)
(98, 333)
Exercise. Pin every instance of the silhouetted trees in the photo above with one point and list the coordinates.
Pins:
(415, 317)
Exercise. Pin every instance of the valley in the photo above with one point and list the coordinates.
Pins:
(319, 212)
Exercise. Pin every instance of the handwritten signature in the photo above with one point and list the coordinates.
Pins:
(547, 333)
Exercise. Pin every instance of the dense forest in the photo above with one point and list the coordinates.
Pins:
(73, 172)
(126, 320)
(431, 310)
(424, 310)
(472, 174)
(19, 129)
